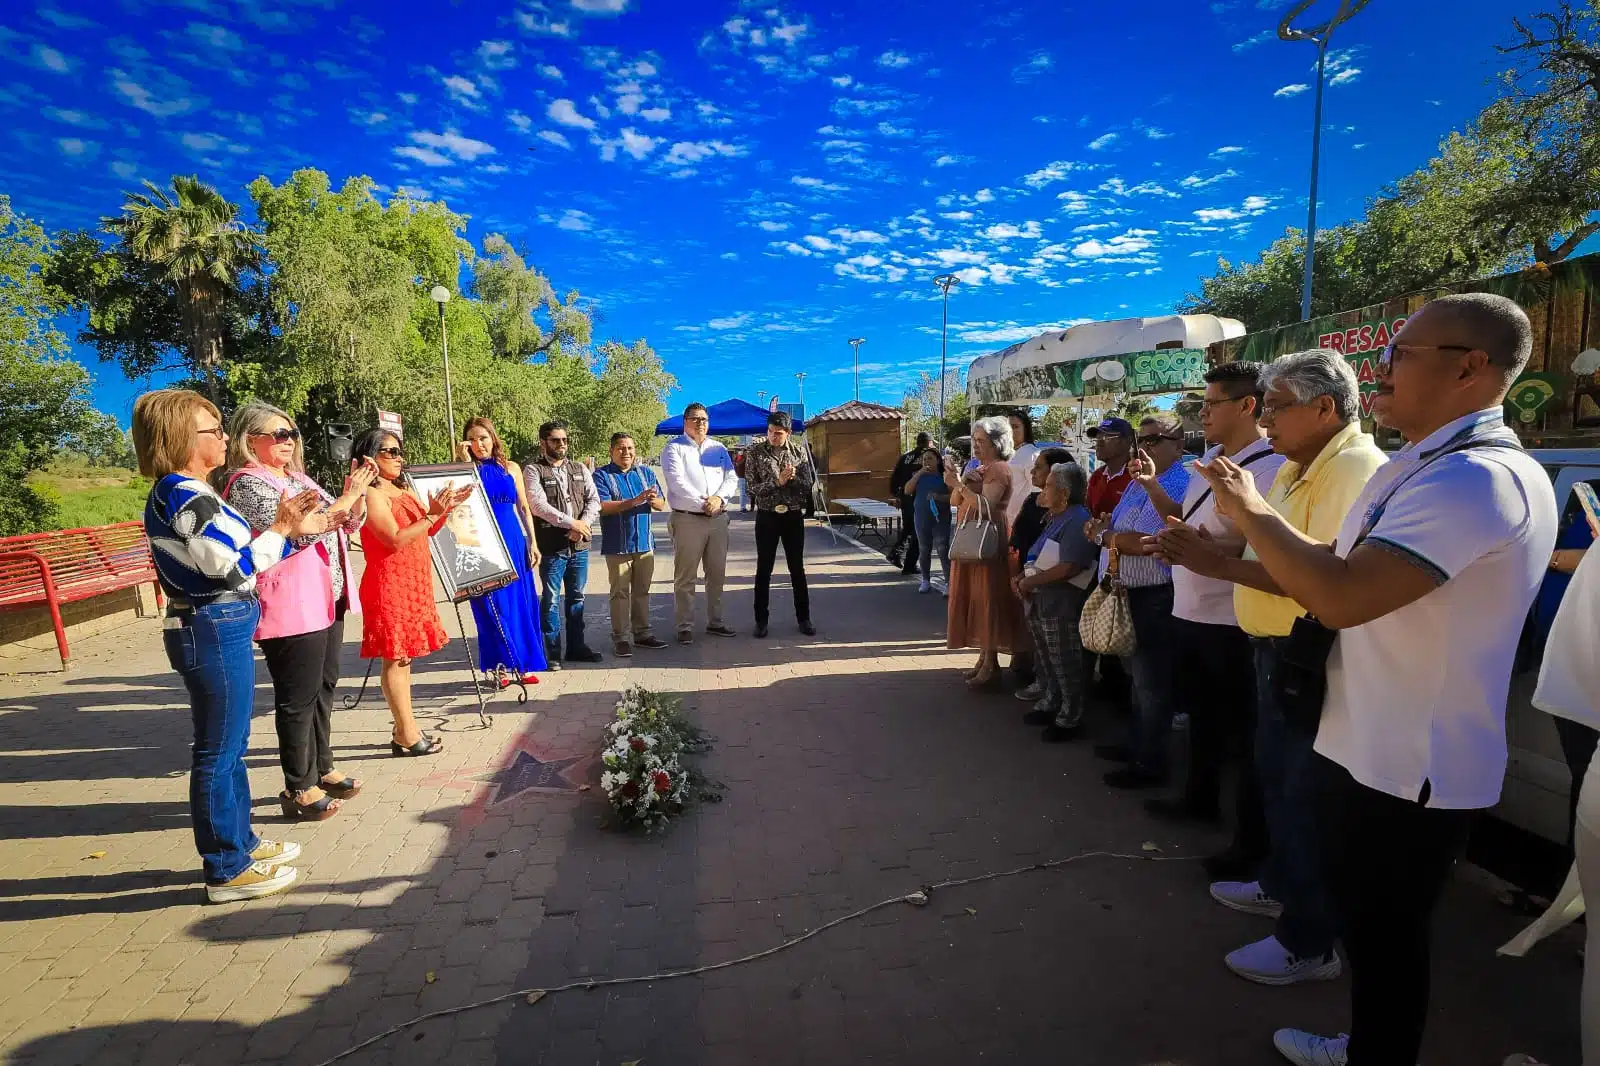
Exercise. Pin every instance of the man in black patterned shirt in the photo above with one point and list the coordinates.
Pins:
(780, 477)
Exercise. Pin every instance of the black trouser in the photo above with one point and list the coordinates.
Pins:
(1216, 677)
(790, 528)
(907, 538)
(1578, 743)
(305, 671)
(1386, 861)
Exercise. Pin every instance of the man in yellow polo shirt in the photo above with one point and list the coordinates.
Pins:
(1311, 413)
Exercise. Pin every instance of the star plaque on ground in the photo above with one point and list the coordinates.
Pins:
(526, 772)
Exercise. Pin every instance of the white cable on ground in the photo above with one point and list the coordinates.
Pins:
(919, 898)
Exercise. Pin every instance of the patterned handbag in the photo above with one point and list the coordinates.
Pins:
(976, 539)
(1106, 625)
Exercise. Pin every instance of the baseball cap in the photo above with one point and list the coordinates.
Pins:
(1116, 427)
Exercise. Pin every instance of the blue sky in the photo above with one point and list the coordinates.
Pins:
(747, 185)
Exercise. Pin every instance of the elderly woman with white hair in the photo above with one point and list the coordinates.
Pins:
(303, 602)
(984, 613)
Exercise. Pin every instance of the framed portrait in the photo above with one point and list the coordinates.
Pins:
(468, 551)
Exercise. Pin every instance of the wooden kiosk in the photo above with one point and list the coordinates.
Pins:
(856, 445)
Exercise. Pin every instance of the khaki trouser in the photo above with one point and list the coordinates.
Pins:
(698, 539)
(630, 594)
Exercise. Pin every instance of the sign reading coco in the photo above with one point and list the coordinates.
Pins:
(1183, 368)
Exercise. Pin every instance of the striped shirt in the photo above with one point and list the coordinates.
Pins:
(202, 547)
(1136, 514)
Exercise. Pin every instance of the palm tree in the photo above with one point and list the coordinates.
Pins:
(195, 239)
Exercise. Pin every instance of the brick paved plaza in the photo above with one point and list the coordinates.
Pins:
(856, 767)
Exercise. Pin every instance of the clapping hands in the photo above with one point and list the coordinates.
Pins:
(448, 499)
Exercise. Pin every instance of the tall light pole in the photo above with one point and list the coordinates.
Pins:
(855, 343)
(1318, 35)
(944, 281)
(441, 296)
(801, 378)
(761, 397)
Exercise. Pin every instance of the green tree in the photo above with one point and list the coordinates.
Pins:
(44, 394)
(194, 241)
(525, 316)
(1058, 423)
(921, 408)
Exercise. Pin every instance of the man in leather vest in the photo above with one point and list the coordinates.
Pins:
(565, 507)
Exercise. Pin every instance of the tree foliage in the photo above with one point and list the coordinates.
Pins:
(44, 394)
(921, 408)
(523, 313)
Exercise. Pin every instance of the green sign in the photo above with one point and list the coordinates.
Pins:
(1169, 370)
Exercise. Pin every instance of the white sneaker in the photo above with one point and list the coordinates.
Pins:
(925, 585)
(256, 881)
(1305, 1049)
(271, 853)
(1246, 896)
(1267, 962)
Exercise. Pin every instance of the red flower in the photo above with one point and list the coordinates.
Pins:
(662, 780)
(630, 790)
(637, 744)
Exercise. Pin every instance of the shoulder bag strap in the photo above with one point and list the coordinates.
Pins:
(1204, 495)
(1376, 512)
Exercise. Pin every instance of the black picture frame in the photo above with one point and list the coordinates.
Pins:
(469, 553)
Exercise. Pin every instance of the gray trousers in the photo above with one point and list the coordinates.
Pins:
(698, 540)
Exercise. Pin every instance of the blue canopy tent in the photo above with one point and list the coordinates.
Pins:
(728, 418)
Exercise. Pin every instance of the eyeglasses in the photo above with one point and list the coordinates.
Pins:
(1386, 359)
(215, 431)
(391, 452)
(1156, 438)
(699, 420)
(1210, 405)
(282, 436)
(555, 440)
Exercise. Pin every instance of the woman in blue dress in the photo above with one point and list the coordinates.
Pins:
(509, 638)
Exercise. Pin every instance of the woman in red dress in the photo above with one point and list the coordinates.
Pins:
(401, 622)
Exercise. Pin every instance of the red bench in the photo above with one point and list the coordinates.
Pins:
(68, 565)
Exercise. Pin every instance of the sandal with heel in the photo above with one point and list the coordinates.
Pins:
(342, 789)
(426, 746)
(320, 811)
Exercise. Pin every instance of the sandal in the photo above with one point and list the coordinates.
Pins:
(426, 746)
(320, 811)
(342, 789)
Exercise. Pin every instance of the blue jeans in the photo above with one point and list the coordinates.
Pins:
(1151, 608)
(564, 574)
(211, 652)
(1286, 765)
(933, 525)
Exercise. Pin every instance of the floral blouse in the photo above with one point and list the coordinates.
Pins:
(257, 500)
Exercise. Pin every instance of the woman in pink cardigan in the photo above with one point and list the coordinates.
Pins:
(303, 603)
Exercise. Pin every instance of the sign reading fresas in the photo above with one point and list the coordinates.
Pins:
(1361, 345)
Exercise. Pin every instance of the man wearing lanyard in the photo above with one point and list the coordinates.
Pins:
(780, 479)
(700, 481)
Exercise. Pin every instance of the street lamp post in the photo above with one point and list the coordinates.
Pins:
(1318, 35)
(944, 281)
(441, 296)
(856, 343)
(801, 378)
(761, 397)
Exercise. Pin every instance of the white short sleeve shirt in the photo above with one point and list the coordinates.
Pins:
(1207, 599)
(1419, 695)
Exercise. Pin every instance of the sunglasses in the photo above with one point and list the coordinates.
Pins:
(282, 436)
(1386, 360)
(555, 440)
(1152, 441)
(391, 452)
(698, 421)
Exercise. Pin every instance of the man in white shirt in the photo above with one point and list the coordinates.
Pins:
(700, 480)
(1213, 661)
(1427, 584)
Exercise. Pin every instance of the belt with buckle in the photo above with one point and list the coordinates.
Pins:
(782, 508)
(179, 607)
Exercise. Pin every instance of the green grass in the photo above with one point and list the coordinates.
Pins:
(96, 496)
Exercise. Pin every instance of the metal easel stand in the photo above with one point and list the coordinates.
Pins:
(820, 490)
(484, 718)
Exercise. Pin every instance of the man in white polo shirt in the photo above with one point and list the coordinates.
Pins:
(1427, 584)
(1216, 679)
(700, 481)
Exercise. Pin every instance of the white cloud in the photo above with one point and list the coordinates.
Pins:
(983, 196)
(792, 248)
(1005, 333)
(1126, 244)
(1195, 181)
(816, 183)
(463, 148)
(462, 89)
(1226, 150)
(771, 226)
(1256, 204)
(1050, 173)
(656, 114)
(1345, 76)
(949, 160)
(551, 71)
(74, 118)
(1253, 40)
(894, 60)
(142, 98)
(567, 114)
(638, 144)
(889, 129)
(76, 148)
(50, 59)
(949, 257)
(843, 81)
(1253, 205)
(1104, 141)
(688, 153)
(958, 216)
(517, 119)
(65, 21)
(556, 138)
(822, 244)
(1075, 203)
(426, 156)
(1005, 231)
(1292, 90)
(849, 105)
(730, 322)
(217, 37)
(601, 7)
(576, 221)
(1037, 64)
(497, 55)
(1156, 133)
(124, 169)
(859, 236)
